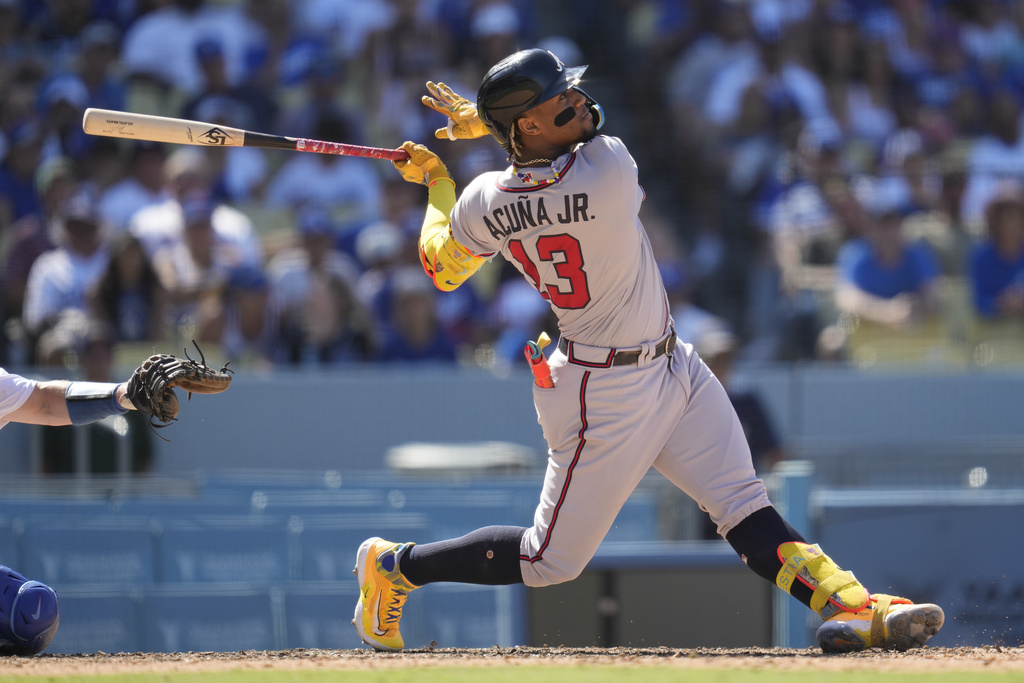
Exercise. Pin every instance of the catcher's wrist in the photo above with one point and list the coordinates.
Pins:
(92, 401)
(121, 396)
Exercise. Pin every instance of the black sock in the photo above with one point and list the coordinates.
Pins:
(487, 556)
(757, 539)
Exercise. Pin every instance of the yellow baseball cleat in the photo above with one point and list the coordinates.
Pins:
(887, 622)
(382, 593)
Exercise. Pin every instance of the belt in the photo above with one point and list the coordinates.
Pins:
(630, 357)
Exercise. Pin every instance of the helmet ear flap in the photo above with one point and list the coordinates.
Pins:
(504, 137)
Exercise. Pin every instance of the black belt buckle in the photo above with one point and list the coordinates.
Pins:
(629, 357)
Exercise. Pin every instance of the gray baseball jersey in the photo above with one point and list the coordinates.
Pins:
(578, 240)
(574, 232)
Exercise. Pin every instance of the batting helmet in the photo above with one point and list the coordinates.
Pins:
(520, 82)
(29, 614)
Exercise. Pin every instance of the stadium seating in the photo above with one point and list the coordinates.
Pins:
(204, 618)
(225, 550)
(9, 553)
(263, 560)
(67, 551)
(319, 614)
(327, 544)
(104, 618)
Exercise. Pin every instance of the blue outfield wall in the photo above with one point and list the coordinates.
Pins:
(910, 480)
(348, 420)
(232, 617)
(264, 581)
(261, 561)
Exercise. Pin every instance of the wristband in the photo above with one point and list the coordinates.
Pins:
(92, 401)
(450, 129)
(439, 172)
(439, 178)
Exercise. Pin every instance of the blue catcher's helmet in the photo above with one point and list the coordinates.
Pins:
(29, 614)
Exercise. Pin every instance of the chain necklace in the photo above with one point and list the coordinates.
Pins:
(534, 162)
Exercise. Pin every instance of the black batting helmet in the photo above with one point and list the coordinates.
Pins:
(520, 82)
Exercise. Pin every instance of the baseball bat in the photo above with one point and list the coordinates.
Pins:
(122, 124)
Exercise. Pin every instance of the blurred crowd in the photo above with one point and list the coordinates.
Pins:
(805, 161)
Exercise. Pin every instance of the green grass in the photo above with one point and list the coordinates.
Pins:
(652, 673)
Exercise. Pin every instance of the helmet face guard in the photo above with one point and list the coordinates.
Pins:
(520, 82)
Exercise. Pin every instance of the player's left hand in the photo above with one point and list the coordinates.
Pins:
(422, 166)
(464, 123)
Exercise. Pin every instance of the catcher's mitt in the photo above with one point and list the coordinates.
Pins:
(150, 388)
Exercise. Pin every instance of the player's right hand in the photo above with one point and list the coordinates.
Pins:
(464, 123)
(422, 167)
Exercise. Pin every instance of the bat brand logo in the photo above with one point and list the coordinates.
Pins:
(214, 136)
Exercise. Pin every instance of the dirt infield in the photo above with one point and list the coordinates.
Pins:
(992, 658)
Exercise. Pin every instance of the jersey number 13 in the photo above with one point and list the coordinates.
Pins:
(571, 290)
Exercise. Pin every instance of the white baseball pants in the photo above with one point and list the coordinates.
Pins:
(605, 429)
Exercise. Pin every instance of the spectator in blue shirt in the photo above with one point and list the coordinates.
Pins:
(997, 264)
(414, 333)
(885, 279)
(18, 197)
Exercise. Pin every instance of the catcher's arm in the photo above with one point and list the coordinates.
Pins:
(446, 261)
(59, 402)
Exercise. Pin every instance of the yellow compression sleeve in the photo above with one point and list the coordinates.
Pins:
(444, 259)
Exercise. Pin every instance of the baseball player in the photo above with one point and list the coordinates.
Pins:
(623, 395)
(29, 611)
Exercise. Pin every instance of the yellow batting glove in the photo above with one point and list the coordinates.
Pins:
(464, 123)
(422, 167)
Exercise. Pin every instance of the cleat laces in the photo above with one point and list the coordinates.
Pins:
(394, 609)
